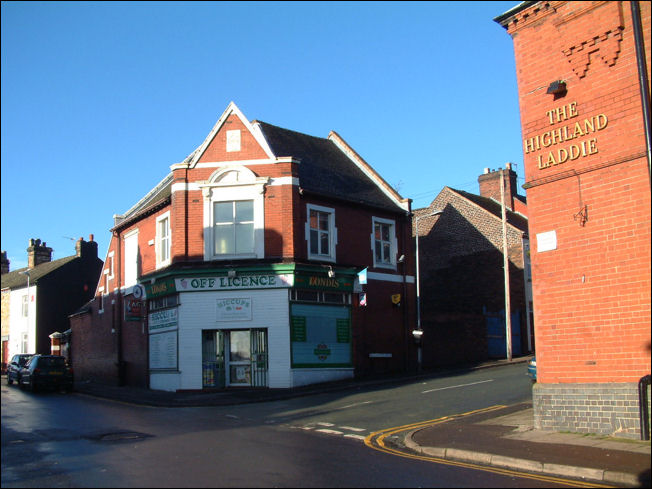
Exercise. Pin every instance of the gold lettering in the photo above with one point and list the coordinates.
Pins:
(528, 145)
(589, 125)
(549, 114)
(578, 130)
(572, 110)
(551, 159)
(574, 151)
(545, 139)
(599, 124)
(593, 146)
(542, 165)
(556, 136)
(562, 156)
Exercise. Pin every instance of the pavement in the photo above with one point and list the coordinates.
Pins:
(503, 437)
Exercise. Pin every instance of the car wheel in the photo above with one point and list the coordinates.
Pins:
(9, 381)
(32, 385)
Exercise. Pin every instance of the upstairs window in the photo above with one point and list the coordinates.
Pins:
(233, 227)
(163, 241)
(25, 306)
(234, 214)
(383, 243)
(321, 233)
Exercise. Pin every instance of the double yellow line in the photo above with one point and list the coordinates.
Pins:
(376, 440)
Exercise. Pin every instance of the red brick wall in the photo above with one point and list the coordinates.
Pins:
(591, 293)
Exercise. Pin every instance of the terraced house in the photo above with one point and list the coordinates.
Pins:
(243, 267)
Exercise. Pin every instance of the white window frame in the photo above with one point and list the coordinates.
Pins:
(25, 305)
(229, 184)
(332, 233)
(393, 242)
(163, 241)
(131, 263)
(100, 309)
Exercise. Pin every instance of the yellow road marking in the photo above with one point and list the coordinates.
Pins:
(376, 441)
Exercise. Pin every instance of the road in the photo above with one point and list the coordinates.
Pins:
(72, 440)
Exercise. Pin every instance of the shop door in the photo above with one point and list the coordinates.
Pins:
(239, 357)
(213, 372)
(259, 357)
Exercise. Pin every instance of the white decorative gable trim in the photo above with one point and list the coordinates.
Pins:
(196, 155)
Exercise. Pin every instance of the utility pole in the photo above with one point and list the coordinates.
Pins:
(508, 310)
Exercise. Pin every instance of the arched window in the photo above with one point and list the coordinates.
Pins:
(234, 215)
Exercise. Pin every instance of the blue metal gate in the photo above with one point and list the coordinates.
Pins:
(496, 340)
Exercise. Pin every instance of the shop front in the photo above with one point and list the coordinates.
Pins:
(265, 328)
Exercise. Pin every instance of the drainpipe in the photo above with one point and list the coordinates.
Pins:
(644, 412)
(118, 315)
(642, 79)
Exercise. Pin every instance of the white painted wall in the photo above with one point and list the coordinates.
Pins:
(19, 324)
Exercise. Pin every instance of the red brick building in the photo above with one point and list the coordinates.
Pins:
(462, 280)
(240, 268)
(583, 86)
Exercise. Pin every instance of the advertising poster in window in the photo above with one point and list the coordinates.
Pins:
(321, 336)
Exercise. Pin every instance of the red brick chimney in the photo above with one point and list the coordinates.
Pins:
(490, 184)
(37, 253)
(86, 249)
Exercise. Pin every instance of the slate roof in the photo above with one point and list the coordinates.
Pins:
(325, 169)
(16, 280)
(155, 198)
(490, 205)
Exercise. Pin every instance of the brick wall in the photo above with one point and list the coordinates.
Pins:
(461, 268)
(587, 182)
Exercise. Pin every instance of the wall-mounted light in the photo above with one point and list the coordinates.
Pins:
(331, 273)
(231, 273)
(557, 88)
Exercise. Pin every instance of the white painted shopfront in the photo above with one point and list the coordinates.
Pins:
(254, 330)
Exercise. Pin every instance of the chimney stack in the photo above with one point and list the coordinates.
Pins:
(86, 249)
(5, 263)
(37, 253)
(489, 183)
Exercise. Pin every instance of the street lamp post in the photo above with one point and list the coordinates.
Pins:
(26, 272)
(418, 333)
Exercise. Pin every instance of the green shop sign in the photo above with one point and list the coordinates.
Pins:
(322, 282)
(259, 281)
(160, 288)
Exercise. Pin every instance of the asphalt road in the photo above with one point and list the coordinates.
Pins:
(71, 440)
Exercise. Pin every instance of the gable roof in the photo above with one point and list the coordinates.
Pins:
(492, 206)
(16, 280)
(326, 169)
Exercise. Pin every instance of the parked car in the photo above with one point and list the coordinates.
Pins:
(532, 369)
(16, 364)
(47, 371)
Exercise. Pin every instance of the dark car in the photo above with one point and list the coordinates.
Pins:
(532, 369)
(47, 372)
(16, 364)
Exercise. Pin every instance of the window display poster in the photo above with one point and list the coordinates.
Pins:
(321, 336)
(163, 351)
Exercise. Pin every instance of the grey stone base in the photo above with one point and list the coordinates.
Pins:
(606, 409)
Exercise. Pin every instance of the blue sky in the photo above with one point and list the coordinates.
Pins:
(99, 99)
